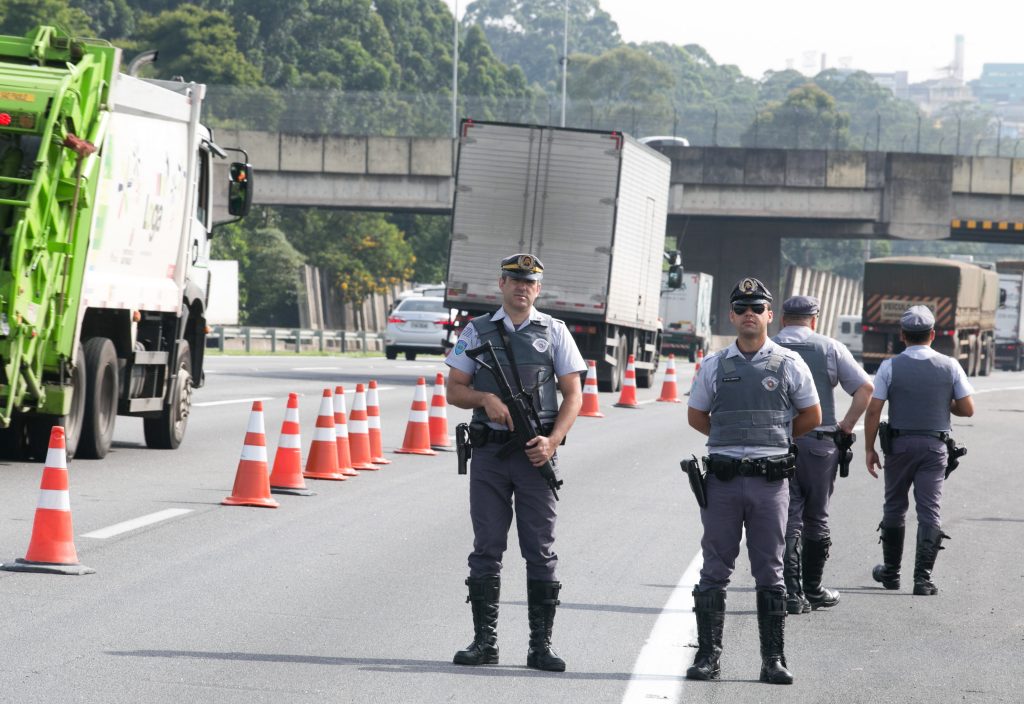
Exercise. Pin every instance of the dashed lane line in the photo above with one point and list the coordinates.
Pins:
(136, 523)
(230, 401)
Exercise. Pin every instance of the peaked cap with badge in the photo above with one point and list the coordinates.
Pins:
(750, 290)
(523, 266)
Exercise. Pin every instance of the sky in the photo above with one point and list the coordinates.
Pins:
(873, 35)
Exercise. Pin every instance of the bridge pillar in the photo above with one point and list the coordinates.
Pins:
(730, 251)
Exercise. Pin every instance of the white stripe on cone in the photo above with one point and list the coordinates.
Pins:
(418, 417)
(323, 435)
(57, 458)
(55, 499)
(254, 453)
(290, 441)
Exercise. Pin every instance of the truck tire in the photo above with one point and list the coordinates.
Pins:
(989, 361)
(609, 378)
(168, 430)
(101, 392)
(39, 426)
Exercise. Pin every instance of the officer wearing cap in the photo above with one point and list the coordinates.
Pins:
(751, 400)
(807, 533)
(538, 351)
(923, 387)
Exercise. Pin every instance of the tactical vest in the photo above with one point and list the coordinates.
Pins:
(532, 350)
(919, 393)
(751, 407)
(814, 350)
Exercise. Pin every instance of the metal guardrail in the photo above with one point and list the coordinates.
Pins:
(252, 339)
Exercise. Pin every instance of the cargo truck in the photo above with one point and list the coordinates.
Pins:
(592, 206)
(1010, 323)
(686, 316)
(106, 208)
(962, 296)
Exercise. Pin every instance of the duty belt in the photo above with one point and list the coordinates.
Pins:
(940, 434)
(481, 434)
(725, 468)
(822, 434)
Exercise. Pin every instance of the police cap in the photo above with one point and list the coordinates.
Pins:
(522, 266)
(801, 305)
(917, 319)
(750, 290)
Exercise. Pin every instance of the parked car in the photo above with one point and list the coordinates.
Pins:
(417, 324)
(850, 334)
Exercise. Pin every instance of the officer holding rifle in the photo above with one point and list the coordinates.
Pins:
(923, 387)
(537, 356)
(751, 400)
(821, 452)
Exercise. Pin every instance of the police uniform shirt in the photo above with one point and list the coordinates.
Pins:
(841, 366)
(564, 352)
(796, 381)
(961, 386)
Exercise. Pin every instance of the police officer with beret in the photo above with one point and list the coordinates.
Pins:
(923, 387)
(751, 400)
(807, 533)
(537, 350)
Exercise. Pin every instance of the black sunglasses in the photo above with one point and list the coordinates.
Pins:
(740, 309)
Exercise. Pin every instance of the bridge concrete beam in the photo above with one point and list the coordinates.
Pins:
(425, 194)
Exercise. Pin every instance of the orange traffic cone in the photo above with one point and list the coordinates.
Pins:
(590, 405)
(252, 483)
(286, 477)
(439, 417)
(341, 434)
(627, 399)
(373, 425)
(669, 391)
(358, 432)
(417, 431)
(52, 547)
(322, 462)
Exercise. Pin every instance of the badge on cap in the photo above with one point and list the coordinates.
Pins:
(748, 286)
(526, 262)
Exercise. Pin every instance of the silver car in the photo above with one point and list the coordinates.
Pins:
(416, 324)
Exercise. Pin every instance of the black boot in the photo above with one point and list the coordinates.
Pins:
(771, 622)
(815, 555)
(542, 599)
(929, 542)
(796, 602)
(888, 573)
(709, 607)
(483, 597)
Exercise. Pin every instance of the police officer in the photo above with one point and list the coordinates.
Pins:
(751, 400)
(539, 351)
(807, 532)
(923, 388)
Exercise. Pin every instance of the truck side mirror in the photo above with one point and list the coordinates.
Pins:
(240, 189)
(675, 277)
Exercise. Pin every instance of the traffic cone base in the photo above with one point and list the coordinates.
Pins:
(590, 409)
(417, 430)
(252, 481)
(51, 549)
(627, 398)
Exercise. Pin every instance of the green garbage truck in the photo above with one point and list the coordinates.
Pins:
(107, 197)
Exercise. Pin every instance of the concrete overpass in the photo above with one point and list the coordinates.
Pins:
(729, 207)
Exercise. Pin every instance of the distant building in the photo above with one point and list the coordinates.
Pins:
(1000, 84)
(896, 81)
(932, 96)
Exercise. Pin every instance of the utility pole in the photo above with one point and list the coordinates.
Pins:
(455, 73)
(565, 57)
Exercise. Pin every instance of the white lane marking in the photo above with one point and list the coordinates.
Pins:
(314, 369)
(142, 521)
(659, 668)
(1005, 388)
(234, 400)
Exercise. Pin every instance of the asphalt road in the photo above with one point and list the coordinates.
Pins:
(356, 594)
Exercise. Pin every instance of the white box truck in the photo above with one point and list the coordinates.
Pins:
(686, 316)
(592, 206)
(1010, 323)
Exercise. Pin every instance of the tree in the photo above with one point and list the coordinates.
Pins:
(529, 33)
(808, 119)
(626, 87)
(18, 17)
(429, 236)
(270, 271)
(111, 19)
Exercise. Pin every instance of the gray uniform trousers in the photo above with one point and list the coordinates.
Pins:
(811, 487)
(492, 484)
(918, 461)
(761, 506)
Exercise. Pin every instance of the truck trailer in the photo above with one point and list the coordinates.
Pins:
(686, 316)
(1010, 322)
(592, 205)
(106, 208)
(962, 296)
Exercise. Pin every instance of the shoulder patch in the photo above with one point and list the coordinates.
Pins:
(460, 347)
(770, 383)
(541, 345)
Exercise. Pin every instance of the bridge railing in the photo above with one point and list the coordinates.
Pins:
(726, 124)
(253, 339)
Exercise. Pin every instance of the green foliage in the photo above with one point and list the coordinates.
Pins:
(841, 257)
(808, 119)
(111, 19)
(270, 270)
(429, 236)
(18, 17)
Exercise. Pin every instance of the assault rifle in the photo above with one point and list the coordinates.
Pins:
(520, 407)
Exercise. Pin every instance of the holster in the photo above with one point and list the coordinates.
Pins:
(698, 479)
(463, 447)
(953, 455)
(885, 437)
(844, 444)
